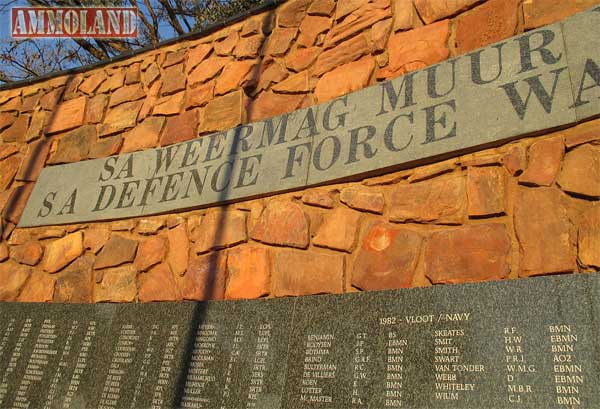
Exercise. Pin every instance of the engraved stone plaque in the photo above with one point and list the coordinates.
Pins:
(530, 343)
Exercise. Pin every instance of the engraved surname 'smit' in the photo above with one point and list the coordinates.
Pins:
(259, 365)
(568, 372)
(518, 367)
(317, 369)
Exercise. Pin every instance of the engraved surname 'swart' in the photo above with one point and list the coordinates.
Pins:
(568, 374)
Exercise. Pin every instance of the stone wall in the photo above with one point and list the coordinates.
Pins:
(527, 208)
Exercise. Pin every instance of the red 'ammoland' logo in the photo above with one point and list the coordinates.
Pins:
(53, 22)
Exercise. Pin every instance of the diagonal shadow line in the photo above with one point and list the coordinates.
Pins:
(212, 277)
(37, 149)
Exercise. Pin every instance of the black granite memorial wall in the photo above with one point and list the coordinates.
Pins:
(532, 343)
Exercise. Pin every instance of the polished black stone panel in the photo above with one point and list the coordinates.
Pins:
(531, 343)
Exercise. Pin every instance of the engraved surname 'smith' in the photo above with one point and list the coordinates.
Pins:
(568, 371)
(318, 368)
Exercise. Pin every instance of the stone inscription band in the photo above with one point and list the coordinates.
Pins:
(540, 80)
(531, 343)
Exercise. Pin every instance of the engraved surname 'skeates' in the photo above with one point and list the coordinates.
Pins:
(361, 361)
(568, 372)
(200, 377)
(81, 364)
(166, 367)
(259, 365)
(39, 359)
(394, 374)
(451, 372)
(317, 369)
(518, 368)
(122, 358)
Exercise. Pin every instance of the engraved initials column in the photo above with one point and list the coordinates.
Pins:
(518, 368)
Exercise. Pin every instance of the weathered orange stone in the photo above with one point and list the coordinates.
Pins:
(75, 284)
(8, 170)
(150, 252)
(387, 258)
(405, 15)
(205, 278)
(220, 229)
(16, 204)
(283, 223)
(169, 105)
(68, 115)
(544, 162)
(322, 7)
(310, 29)
(539, 13)
(29, 254)
(544, 232)
(197, 54)
(380, 34)
(290, 14)
(40, 288)
(17, 131)
(364, 17)
(270, 104)
(158, 285)
(95, 109)
(207, 70)
(489, 23)
(143, 136)
(180, 128)
(346, 7)
(589, 237)
(133, 74)
(63, 251)
(18, 237)
(12, 278)
(39, 119)
(345, 79)
(248, 273)
(441, 200)
(6, 120)
(117, 285)
(120, 118)
(294, 83)
(431, 11)
(258, 24)
(279, 41)
(115, 81)
(486, 188)
(321, 199)
(582, 133)
(362, 199)
(151, 74)
(416, 49)
(126, 94)
(34, 161)
(343, 53)
(224, 112)
(580, 173)
(200, 96)
(236, 74)
(339, 230)
(118, 250)
(91, 83)
(174, 80)
(272, 73)
(179, 249)
(306, 272)
(468, 254)
(248, 47)
(95, 239)
(3, 252)
(514, 160)
(106, 147)
(173, 58)
(226, 46)
(74, 146)
(301, 58)
(150, 226)
(7, 150)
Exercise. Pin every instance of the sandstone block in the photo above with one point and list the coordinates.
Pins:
(68, 115)
(544, 162)
(339, 230)
(143, 136)
(248, 273)
(220, 229)
(224, 112)
(345, 79)
(29, 254)
(158, 285)
(118, 250)
(205, 278)
(589, 237)
(117, 285)
(486, 190)
(75, 284)
(180, 128)
(12, 278)
(150, 252)
(431, 11)
(363, 200)
(179, 249)
(283, 223)
(40, 288)
(580, 173)
(63, 251)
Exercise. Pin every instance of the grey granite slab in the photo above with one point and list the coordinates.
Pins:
(583, 53)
